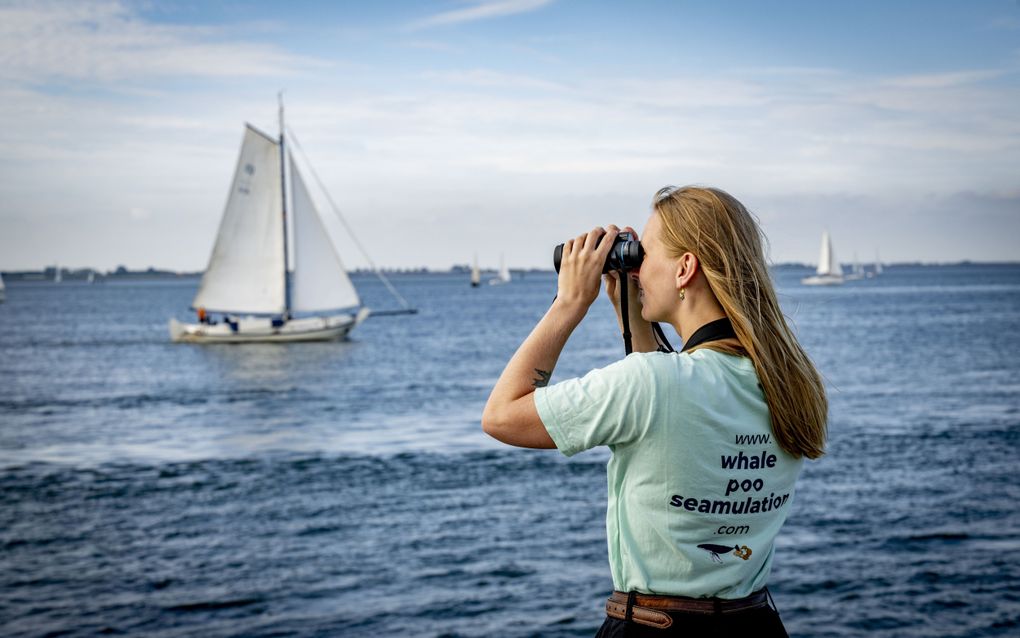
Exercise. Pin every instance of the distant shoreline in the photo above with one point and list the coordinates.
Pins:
(123, 274)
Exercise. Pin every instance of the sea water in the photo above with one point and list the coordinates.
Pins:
(346, 489)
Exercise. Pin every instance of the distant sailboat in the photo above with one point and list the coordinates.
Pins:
(476, 274)
(57, 276)
(91, 279)
(829, 272)
(504, 273)
(3, 290)
(856, 271)
(247, 280)
(878, 265)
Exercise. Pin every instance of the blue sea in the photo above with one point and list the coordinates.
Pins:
(346, 489)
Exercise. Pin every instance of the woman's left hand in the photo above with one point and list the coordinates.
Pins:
(581, 268)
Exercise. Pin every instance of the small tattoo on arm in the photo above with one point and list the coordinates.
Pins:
(542, 379)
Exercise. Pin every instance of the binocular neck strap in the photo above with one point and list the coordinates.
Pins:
(711, 331)
(660, 338)
(625, 312)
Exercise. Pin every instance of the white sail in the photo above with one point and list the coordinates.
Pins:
(476, 274)
(3, 292)
(246, 270)
(827, 263)
(504, 273)
(320, 281)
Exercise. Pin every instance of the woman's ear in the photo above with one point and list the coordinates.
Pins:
(686, 268)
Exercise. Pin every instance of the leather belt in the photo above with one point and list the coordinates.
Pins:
(652, 610)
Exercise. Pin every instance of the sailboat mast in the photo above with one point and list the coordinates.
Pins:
(283, 191)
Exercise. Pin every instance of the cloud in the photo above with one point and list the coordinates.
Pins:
(1004, 23)
(432, 45)
(106, 42)
(485, 78)
(480, 11)
(942, 80)
(113, 126)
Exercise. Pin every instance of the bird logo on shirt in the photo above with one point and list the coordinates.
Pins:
(740, 551)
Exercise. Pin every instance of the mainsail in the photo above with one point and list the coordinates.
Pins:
(320, 281)
(246, 270)
(827, 264)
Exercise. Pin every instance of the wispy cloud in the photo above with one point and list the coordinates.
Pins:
(942, 80)
(479, 11)
(431, 45)
(107, 42)
(1005, 23)
(120, 116)
(485, 78)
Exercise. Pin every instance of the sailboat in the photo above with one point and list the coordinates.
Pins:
(476, 275)
(856, 271)
(829, 272)
(247, 280)
(3, 290)
(58, 276)
(504, 273)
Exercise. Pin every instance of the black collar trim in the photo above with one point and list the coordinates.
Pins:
(711, 331)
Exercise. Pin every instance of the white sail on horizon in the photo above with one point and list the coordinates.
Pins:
(827, 263)
(504, 273)
(246, 269)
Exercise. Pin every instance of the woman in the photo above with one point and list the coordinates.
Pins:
(706, 443)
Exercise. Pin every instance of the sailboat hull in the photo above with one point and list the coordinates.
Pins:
(261, 330)
(822, 280)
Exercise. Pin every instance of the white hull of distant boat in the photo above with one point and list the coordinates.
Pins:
(822, 280)
(263, 330)
(829, 272)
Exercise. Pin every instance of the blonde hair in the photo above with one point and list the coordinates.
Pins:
(729, 245)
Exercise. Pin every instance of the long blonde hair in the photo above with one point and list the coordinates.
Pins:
(729, 245)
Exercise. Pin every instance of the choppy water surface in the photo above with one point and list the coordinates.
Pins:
(345, 488)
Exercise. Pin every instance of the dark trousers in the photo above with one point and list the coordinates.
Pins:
(762, 622)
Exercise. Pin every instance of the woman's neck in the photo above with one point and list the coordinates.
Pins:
(689, 319)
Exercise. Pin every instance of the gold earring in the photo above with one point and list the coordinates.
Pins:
(682, 294)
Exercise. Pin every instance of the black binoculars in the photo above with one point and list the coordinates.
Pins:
(625, 255)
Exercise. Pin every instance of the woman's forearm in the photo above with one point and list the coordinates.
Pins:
(532, 365)
(510, 414)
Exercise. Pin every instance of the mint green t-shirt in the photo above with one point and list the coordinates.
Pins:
(698, 487)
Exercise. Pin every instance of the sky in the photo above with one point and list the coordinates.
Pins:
(459, 127)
